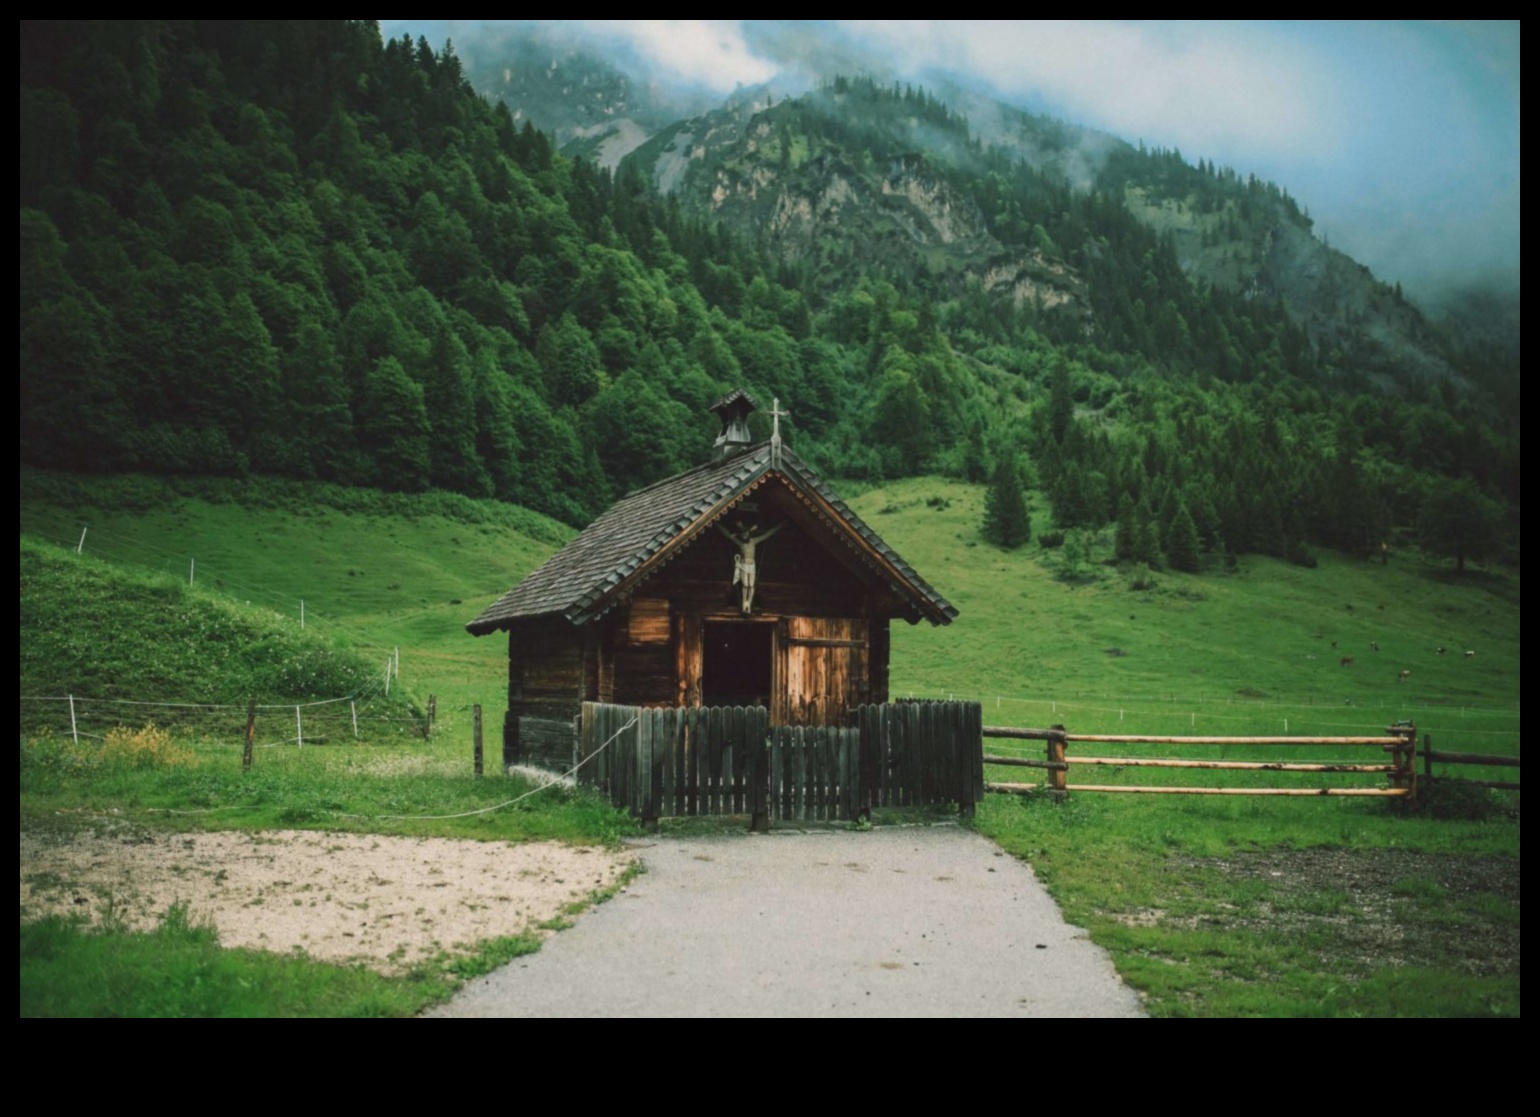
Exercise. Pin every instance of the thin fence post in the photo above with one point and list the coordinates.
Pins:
(1405, 774)
(476, 737)
(251, 735)
(80, 547)
(353, 709)
(192, 566)
(74, 731)
(387, 676)
(1057, 777)
(302, 612)
(299, 729)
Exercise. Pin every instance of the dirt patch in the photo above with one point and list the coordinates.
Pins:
(1381, 907)
(386, 902)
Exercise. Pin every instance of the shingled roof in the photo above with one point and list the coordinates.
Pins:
(585, 578)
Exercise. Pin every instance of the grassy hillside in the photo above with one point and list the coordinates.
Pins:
(374, 571)
(1195, 652)
(1210, 906)
(1231, 906)
(1239, 652)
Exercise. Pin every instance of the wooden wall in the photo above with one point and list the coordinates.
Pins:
(830, 651)
(546, 681)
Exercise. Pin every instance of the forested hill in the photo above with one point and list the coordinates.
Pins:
(294, 248)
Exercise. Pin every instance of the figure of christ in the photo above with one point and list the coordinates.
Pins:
(743, 561)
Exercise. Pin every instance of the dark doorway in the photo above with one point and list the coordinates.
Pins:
(736, 665)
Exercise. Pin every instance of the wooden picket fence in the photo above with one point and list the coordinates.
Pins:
(731, 761)
(1400, 741)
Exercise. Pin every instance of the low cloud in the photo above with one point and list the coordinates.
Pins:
(703, 52)
(1187, 85)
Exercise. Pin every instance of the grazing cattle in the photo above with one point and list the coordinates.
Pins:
(1346, 661)
(1403, 676)
(1442, 649)
(1469, 654)
(1374, 645)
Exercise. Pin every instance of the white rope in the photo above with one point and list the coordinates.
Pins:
(553, 782)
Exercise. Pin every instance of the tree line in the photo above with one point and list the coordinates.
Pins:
(299, 249)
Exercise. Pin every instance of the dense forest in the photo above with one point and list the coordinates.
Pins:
(293, 248)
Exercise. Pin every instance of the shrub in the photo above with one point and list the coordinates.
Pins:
(122, 748)
(147, 747)
(1454, 799)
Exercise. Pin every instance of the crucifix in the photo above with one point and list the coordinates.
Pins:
(776, 415)
(744, 572)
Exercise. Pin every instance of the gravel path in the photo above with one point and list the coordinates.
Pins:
(932, 921)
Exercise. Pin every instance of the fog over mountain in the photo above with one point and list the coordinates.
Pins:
(1401, 138)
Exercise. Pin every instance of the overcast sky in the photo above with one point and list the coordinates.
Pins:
(1401, 138)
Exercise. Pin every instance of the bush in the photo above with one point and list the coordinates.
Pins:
(1455, 799)
(122, 748)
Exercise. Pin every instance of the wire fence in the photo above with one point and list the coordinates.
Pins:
(324, 721)
(1338, 714)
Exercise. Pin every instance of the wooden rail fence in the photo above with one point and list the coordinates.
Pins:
(1400, 741)
(1482, 760)
(729, 760)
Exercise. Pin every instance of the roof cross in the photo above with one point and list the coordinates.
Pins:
(776, 414)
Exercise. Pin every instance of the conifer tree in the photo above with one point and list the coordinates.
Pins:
(1124, 546)
(1182, 542)
(1458, 522)
(1061, 403)
(1006, 519)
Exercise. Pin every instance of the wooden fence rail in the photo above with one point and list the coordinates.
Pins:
(1400, 741)
(1475, 759)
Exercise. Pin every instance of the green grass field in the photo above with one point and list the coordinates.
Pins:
(1233, 906)
(1237, 906)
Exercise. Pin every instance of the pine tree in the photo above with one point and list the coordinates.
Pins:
(1125, 545)
(1182, 542)
(1458, 522)
(1006, 519)
(1061, 402)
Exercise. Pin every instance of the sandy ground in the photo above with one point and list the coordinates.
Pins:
(386, 902)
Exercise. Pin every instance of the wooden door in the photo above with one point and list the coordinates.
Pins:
(827, 665)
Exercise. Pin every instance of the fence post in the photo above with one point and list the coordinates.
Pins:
(1403, 757)
(476, 736)
(758, 764)
(299, 728)
(251, 735)
(644, 797)
(353, 709)
(74, 730)
(1057, 775)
